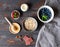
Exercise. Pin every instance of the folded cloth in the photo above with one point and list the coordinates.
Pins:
(49, 35)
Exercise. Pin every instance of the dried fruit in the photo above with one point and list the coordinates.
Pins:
(27, 40)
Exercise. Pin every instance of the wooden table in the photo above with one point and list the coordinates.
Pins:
(6, 7)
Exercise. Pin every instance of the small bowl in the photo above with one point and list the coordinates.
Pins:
(24, 7)
(12, 14)
(30, 26)
(15, 31)
(43, 12)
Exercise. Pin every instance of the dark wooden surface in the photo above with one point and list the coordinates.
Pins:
(6, 7)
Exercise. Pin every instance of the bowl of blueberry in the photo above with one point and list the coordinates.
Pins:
(45, 14)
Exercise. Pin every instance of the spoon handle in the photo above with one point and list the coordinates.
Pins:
(8, 21)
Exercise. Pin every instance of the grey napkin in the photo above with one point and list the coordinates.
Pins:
(49, 34)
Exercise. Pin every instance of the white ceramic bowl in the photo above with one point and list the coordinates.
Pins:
(24, 7)
(18, 16)
(11, 29)
(52, 13)
(29, 24)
